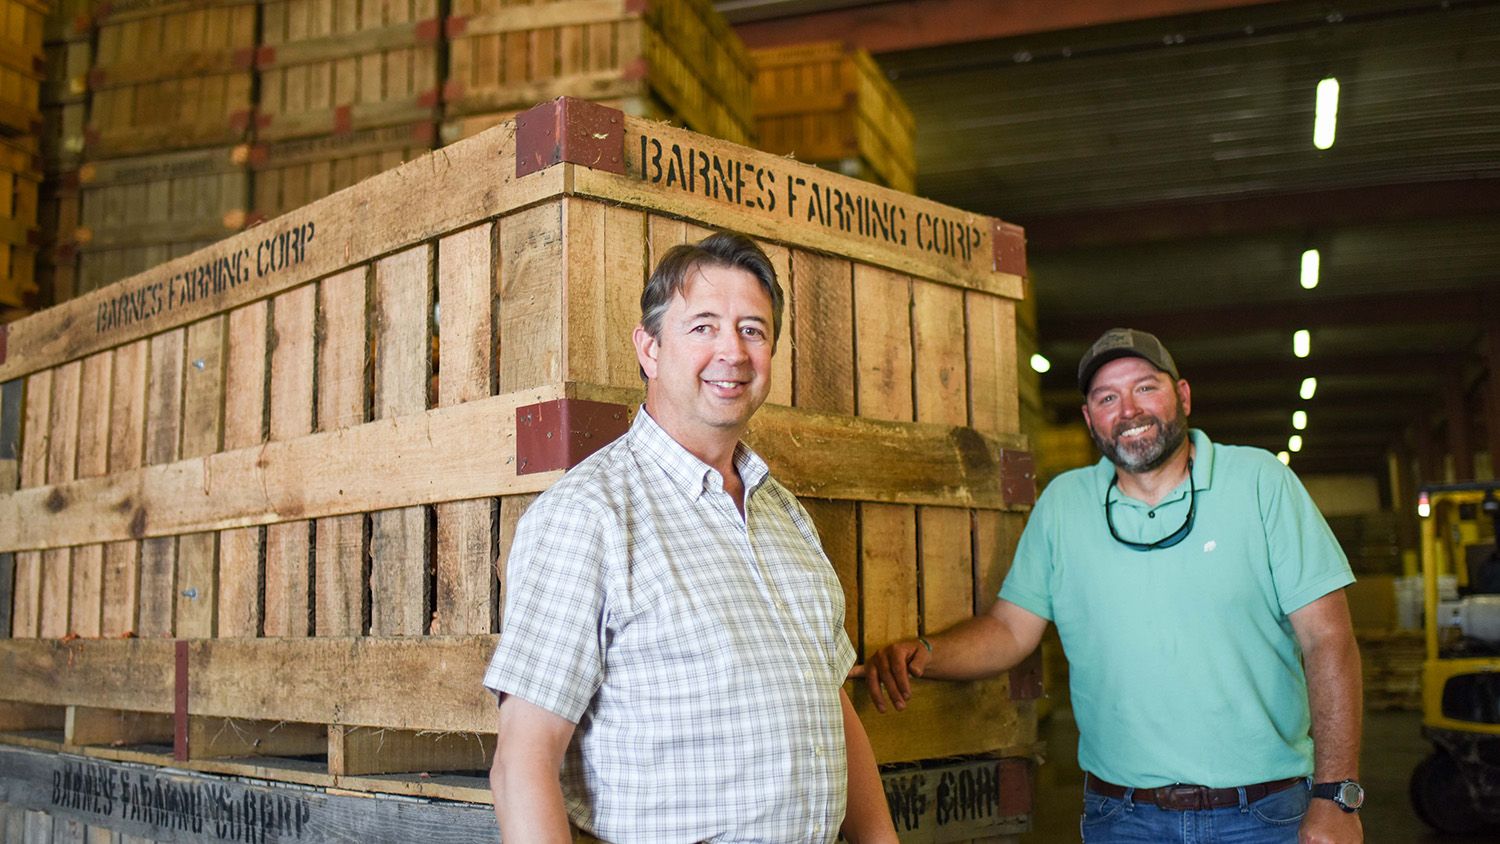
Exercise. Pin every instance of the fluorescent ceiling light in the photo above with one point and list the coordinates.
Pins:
(1285, 457)
(1299, 420)
(1294, 442)
(1039, 363)
(1327, 115)
(1302, 343)
(1310, 261)
(1309, 388)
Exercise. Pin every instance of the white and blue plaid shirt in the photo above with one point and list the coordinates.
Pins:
(701, 655)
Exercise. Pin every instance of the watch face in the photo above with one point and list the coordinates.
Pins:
(1351, 794)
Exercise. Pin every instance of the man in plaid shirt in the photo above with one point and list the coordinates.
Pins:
(673, 651)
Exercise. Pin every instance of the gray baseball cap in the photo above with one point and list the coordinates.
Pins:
(1124, 343)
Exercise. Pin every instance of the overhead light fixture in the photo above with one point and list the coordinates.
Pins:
(1294, 443)
(1424, 506)
(1040, 364)
(1309, 388)
(1302, 343)
(1310, 262)
(1285, 457)
(1326, 117)
(1299, 420)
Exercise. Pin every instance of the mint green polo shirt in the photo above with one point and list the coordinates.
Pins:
(1182, 661)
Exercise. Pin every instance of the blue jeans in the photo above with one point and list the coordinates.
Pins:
(1273, 819)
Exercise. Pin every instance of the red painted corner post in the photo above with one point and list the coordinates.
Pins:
(572, 131)
(560, 434)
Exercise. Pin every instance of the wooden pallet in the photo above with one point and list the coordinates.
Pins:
(240, 460)
(830, 104)
(21, 65)
(293, 173)
(332, 67)
(20, 177)
(171, 76)
(138, 212)
(646, 56)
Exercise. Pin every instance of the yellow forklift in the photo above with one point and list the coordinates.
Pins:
(1456, 790)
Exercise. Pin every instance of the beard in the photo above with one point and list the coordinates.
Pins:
(1147, 452)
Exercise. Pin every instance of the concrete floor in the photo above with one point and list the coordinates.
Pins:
(1393, 745)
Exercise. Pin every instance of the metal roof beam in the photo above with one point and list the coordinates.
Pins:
(1252, 215)
(915, 24)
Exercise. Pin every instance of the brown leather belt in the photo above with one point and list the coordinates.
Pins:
(1183, 798)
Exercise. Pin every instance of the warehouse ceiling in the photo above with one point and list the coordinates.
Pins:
(1160, 155)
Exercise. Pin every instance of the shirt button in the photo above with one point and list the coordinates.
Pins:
(1151, 514)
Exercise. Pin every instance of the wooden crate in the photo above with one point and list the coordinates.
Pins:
(171, 76)
(664, 59)
(293, 173)
(830, 104)
(21, 65)
(334, 66)
(70, 20)
(20, 178)
(137, 212)
(235, 473)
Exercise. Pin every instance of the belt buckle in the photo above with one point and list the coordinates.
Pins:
(1180, 798)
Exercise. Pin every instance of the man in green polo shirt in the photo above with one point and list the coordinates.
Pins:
(1199, 597)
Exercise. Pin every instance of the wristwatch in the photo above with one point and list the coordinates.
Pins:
(1348, 794)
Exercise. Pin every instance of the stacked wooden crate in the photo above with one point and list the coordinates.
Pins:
(170, 112)
(347, 88)
(65, 100)
(21, 68)
(1391, 661)
(674, 60)
(830, 104)
(247, 525)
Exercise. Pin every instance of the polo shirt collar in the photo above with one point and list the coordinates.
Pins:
(689, 474)
(1203, 467)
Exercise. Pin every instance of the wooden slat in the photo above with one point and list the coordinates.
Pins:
(87, 725)
(62, 466)
(888, 534)
(838, 532)
(291, 399)
(86, 606)
(400, 594)
(163, 443)
(465, 529)
(823, 332)
(127, 413)
(217, 738)
(928, 728)
(531, 312)
(240, 571)
(311, 680)
(991, 332)
(782, 387)
(358, 751)
(407, 461)
(995, 537)
(197, 590)
(23, 717)
(340, 583)
(946, 561)
(606, 268)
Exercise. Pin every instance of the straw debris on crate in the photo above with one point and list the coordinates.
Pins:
(659, 59)
(171, 76)
(332, 67)
(831, 105)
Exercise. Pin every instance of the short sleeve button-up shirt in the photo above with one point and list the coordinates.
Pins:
(700, 653)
